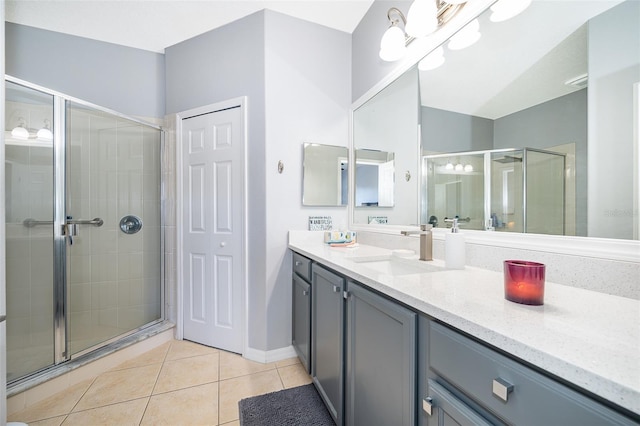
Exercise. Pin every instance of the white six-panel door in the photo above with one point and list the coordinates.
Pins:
(212, 228)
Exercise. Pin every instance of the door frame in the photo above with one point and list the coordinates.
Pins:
(211, 108)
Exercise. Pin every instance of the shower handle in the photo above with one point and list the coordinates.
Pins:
(71, 229)
(95, 222)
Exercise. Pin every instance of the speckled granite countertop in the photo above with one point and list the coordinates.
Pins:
(587, 338)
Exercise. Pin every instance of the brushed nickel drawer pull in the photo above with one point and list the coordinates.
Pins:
(502, 389)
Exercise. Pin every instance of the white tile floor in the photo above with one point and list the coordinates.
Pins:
(178, 383)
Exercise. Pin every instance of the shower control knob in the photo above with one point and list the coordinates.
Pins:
(130, 224)
(222, 244)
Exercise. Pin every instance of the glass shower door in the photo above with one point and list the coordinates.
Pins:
(114, 260)
(29, 176)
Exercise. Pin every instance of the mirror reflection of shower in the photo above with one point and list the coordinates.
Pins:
(505, 190)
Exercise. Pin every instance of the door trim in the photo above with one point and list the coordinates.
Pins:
(241, 102)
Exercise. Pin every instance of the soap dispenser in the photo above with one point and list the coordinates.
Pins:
(454, 247)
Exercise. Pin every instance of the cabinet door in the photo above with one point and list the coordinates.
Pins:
(301, 331)
(447, 410)
(381, 361)
(327, 321)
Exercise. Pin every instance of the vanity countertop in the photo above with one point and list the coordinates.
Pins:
(587, 338)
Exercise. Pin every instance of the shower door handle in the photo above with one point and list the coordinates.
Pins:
(95, 222)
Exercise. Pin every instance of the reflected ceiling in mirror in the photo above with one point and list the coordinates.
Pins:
(324, 175)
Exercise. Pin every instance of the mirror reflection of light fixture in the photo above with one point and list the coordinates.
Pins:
(466, 36)
(45, 133)
(432, 61)
(507, 9)
(425, 16)
(20, 131)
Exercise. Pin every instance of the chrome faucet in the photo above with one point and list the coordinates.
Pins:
(426, 241)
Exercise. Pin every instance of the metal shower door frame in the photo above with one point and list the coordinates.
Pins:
(61, 260)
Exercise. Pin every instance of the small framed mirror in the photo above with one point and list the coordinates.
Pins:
(325, 175)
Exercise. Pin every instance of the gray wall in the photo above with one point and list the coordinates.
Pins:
(226, 63)
(296, 76)
(367, 67)
(447, 131)
(127, 80)
(308, 86)
(614, 43)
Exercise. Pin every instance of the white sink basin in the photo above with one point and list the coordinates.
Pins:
(397, 266)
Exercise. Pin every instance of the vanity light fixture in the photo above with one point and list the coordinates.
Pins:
(459, 167)
(45, 134)
(393, 45)
(507, 9)
(424, 18)
(468, 168)
(449, 166)
(20, 131)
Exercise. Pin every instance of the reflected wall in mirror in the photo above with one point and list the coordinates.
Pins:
(563, 83)
(374, 178)
(385, 135)
(325, 175)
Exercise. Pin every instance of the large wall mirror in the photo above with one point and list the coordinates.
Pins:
(325, 174)
(385, 131)
(531, 129)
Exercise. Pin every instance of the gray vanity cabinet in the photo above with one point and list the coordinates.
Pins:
(472, 381)
(301, 309)
(381, 367)
(327, 349)
(301, 321)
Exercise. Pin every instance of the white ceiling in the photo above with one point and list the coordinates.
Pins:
(156, 24)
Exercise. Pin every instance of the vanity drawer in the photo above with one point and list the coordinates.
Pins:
(510, 390)
(302, 266)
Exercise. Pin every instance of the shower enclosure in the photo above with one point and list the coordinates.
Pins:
(83, 227)
(509, 190)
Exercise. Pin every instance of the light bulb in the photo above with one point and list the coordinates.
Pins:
(45, 134)
(468, 168)
(432, 61)
(507, 9)
(466, 36)
(20, 133)
(459, 167)
(422, 18)
(392, 45)
(449, 166)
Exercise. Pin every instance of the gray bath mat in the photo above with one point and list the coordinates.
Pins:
(300, 406)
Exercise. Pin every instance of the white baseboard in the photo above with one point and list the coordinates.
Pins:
(269, 356)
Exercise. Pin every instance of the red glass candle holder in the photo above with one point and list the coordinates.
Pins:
(524, 282)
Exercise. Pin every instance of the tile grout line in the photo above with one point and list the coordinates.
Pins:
(164, 359)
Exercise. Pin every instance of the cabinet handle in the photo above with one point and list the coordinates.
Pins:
(427, 405)
(305, 292)
(298, 263)
(502, 389)
(336, 289)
